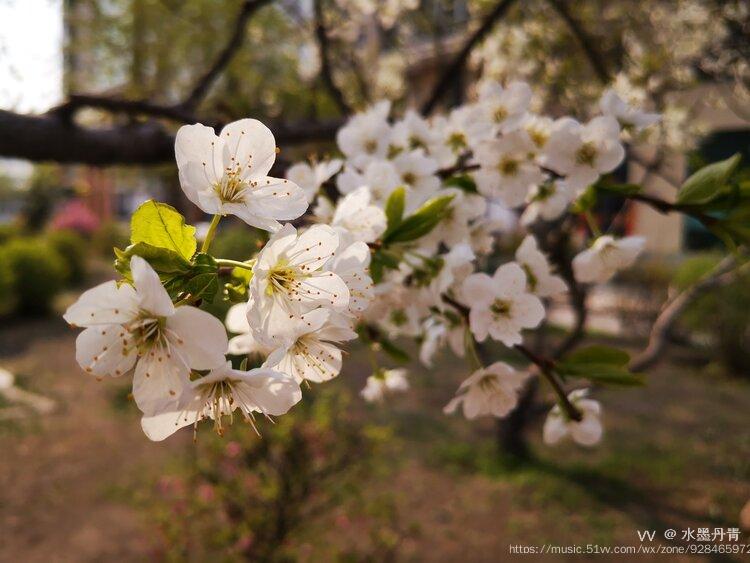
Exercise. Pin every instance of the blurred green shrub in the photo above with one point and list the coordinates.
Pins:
(246, 497)
(74, 249)
(237, 242)
(7, 286)
(40, 273)
(109, 236)
(9, 231)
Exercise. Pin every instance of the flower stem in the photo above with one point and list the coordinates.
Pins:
(593, 225)
(211, 233)
(546, 368)
(235, 263)
(471, 351)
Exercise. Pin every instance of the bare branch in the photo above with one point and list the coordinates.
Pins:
(326, 71)
(199, 91)
(128, 107)
(723, 273)
(584, 39)
(454, 69)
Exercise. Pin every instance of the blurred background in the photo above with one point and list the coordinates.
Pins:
(91, 93)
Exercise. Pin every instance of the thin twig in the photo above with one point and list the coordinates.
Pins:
(326, 71)
(454, 69)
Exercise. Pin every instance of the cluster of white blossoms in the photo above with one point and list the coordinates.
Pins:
(402, 251)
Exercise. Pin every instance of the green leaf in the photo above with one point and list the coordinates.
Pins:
(164, 261)
(603, 373)
(586, 201)
(598, 355)
(422, 221)
(203, 286)
(394, 208)
(161, 226)
(463, 182)
(708, 182)
(381, 260)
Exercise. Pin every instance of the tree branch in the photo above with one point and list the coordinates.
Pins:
(584, 39)
(326, 71)
(456, 66)
(202, 86)
(721, 275)
(128, 107)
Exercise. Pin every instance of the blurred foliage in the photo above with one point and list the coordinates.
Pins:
(40, 195)
(249, 497)
(74, 249)
(40, 273)
(238, 242)
(109, 236)
(721, 316)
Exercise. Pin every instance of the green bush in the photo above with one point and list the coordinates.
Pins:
(109, 236)
(73, 248)
(40, 273)
(7, 286)
(9, 231)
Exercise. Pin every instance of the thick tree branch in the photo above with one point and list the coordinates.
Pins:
(453, 70)
(724, 273)
(127, 107)
(584, 39)
(51, 137)
(326, 70)
(199, 91)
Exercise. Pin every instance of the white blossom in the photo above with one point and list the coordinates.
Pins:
(310, 177)
(506, 169)
(384, 382)
(245, 342)
(138, 327)
(500, 306)
(357, 219)
(582, 153)
(547, 201)
(586, 432)
(630, 118)
(505, 108)
(228, 174)
(539, 277)
(439, 331)
(289, 280)
(379, 176)
(221, 392)
(489, 391)
(366, 136)
(606, 257)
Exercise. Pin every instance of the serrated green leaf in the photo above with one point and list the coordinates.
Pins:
(708, 182)
(394, 208)
(598, 354)
(463, 182)
(421, 222)
(161, 226)
(163, 260)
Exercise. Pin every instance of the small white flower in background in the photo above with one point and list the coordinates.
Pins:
(138, 326)
(323, 210)
(310, 177)
(221, 392)
(366, 136)
(539, 277)
(417, 171)
(454, 267)
(463, 129)
(244, 343)
(351, 263)
(384, 382)
(500, 306)
(489, 391)
(538, 128)
(455, 226)
(228, 174)
(582, 153)
(630, 118)
(357, 219)
(587, 432)
(606, 257)
(413, 132)
(309, 352)
(439, 331)
(547, 201)
(289, 280)
(380, 176)
(504, 107)
(506, 169)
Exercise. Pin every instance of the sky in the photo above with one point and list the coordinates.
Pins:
(30, 54)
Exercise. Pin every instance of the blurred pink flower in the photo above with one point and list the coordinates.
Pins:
(75, 215)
